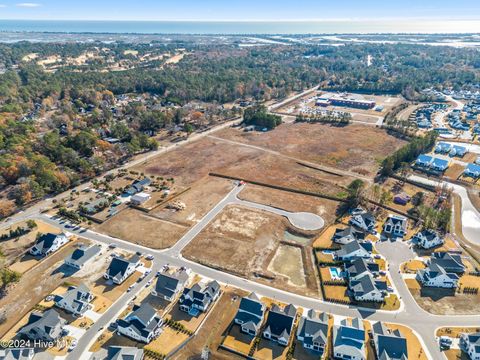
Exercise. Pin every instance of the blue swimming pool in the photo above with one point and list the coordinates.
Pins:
(335, 273)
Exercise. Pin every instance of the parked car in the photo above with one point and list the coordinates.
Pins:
(73, 345)
(130, 288)
(112, 246)
(149, 257)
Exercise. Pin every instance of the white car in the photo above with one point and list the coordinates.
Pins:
(73, 345)
(130, 288)
(149, 257)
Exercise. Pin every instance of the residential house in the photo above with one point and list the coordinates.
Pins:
(367, 288)
(124, 353)
(17, 354)
(439, 165)
(170, 284)
(344, 236)
(388, 344)
(198, 298)
(451, 262)
(48, 243)
(312, 330)
(472, 170)
(360, 267)
(458, 151)
(142, 324)
(349, 340)
(354, 250)
(470, 344)
(443, 148)
(76, 300)
(427, 239)
(364, 221)
(279, 324)
(47, 326)
(436, 275)
(138, 186)
(120, 268)
(395, 226)
(82, 256)
(424, 161)
(250, 314)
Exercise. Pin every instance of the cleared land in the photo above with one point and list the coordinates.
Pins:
(140, 228)
(355, 147)
(253, 237)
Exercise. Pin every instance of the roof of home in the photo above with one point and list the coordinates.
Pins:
(349, 340)
(124, 353)
(16, 354)
(167, 284)
(440, 163)
(424, 159)
(360, 266)
(427, 234)
(353, 246)
(48, 321)
(200, 295)
(83, 254)
(279, 322)
(390, 345)
(45, 241)
(366, 284)
(142, 320)
(315, 326)
(252, 304)
(447, 260)
(348, 232)
(74, 296)
(119, 266)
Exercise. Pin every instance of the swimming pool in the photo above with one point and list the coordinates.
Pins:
(336, 273)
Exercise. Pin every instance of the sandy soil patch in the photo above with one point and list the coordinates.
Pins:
(252, 235)
(140, 228)
(288, 262)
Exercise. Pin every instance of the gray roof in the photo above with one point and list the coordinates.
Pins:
(167, 284)
(83, 254)
(366, 284)
(119, 265)
(16, 354)
(75, 296)
(315, 326)
(143, 320)
(124, 353)
(389, 345)
(48, 322)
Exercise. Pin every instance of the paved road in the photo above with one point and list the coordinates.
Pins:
(423, 323)
(301, 220)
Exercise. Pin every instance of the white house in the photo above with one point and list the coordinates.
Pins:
(279, 324)
(82, 256)
(427, 239)
(76, 300)
(354, 250)
(395, 225)
(349, 340)
(142, 324)
(436, 276)
(368, 289)
(48, 243)
(120, 269)
(313, 330)
(250, 314)
(470, 344)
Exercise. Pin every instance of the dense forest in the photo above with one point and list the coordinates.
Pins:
(80, 100)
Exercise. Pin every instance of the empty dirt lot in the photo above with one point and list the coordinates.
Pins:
(244, 241)
(140, 228)
(355, 147)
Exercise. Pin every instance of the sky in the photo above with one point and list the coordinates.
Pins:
(240, 10)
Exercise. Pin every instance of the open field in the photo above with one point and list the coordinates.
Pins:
(253, 236)
(288, 262)
(290, 202)
(360, 150)
(397, 187)
(140, 228)
(445, 301)
(202, 196)
(213, 329)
